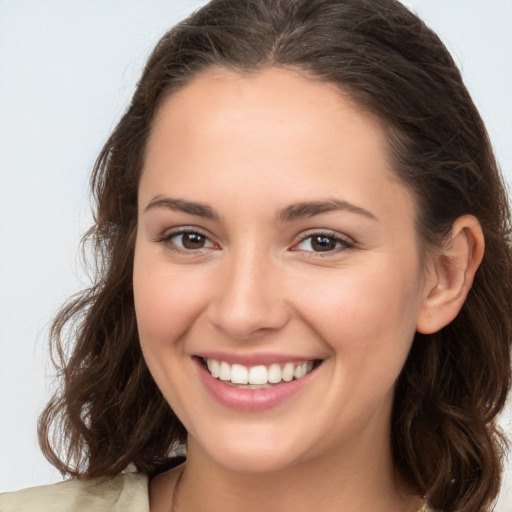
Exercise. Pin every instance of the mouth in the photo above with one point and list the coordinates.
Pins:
(258, 376)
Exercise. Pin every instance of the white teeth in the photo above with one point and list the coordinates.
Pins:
(213, 367)
(302, 369)
(258, 375)
(225, 371)
(274, 373)
(287, 372)
(239, 374)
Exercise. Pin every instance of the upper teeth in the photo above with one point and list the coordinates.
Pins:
(273, 374)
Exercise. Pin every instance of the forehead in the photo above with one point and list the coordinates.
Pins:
(276, 97)
(273, 130)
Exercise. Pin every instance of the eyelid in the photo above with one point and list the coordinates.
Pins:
(168, 235)
(346, 241)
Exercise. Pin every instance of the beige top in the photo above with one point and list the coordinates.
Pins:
(124, 493)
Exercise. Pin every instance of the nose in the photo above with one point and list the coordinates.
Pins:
(249, 301)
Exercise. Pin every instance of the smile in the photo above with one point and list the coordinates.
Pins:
(260, 375)
(253, 383)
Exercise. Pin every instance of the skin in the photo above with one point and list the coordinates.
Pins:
(248, 146)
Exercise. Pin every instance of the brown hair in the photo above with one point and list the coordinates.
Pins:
(109, 413)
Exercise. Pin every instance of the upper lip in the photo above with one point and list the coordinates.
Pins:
(254, 359)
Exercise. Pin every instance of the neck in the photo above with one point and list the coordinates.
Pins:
(352, 478)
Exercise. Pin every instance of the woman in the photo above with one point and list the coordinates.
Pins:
(292, 217)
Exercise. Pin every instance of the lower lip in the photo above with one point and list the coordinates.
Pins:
(252, 400)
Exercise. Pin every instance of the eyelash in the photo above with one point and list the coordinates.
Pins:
(167, 240)
(341, 243)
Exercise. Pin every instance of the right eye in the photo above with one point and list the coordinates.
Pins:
(187, 241)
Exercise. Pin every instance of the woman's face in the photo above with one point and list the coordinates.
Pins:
(274, 240)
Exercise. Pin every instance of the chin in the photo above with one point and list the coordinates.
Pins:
(255, 462)
(248, 456)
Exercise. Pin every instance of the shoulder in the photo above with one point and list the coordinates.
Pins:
(123, 493)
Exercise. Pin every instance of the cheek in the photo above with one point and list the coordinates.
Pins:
(166, 302)
(360, 313)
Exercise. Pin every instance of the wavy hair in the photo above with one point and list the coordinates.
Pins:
(108, 413)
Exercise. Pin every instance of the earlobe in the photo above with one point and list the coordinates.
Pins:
(451, 275)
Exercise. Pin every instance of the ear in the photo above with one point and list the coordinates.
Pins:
(450, 275)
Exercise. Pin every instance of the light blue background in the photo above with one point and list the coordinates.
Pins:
(67, 70)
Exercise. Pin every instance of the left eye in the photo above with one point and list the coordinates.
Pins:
(321, 243)
(189, 240)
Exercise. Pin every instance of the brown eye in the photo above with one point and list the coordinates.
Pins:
(323, 243)
(192, 240)
(187, 241)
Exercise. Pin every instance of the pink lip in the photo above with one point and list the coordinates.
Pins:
(251, 400)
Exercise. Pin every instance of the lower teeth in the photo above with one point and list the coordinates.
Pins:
(248, 386)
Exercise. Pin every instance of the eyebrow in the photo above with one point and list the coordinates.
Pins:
(182, 205)
(295, 211)
(307, 209)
